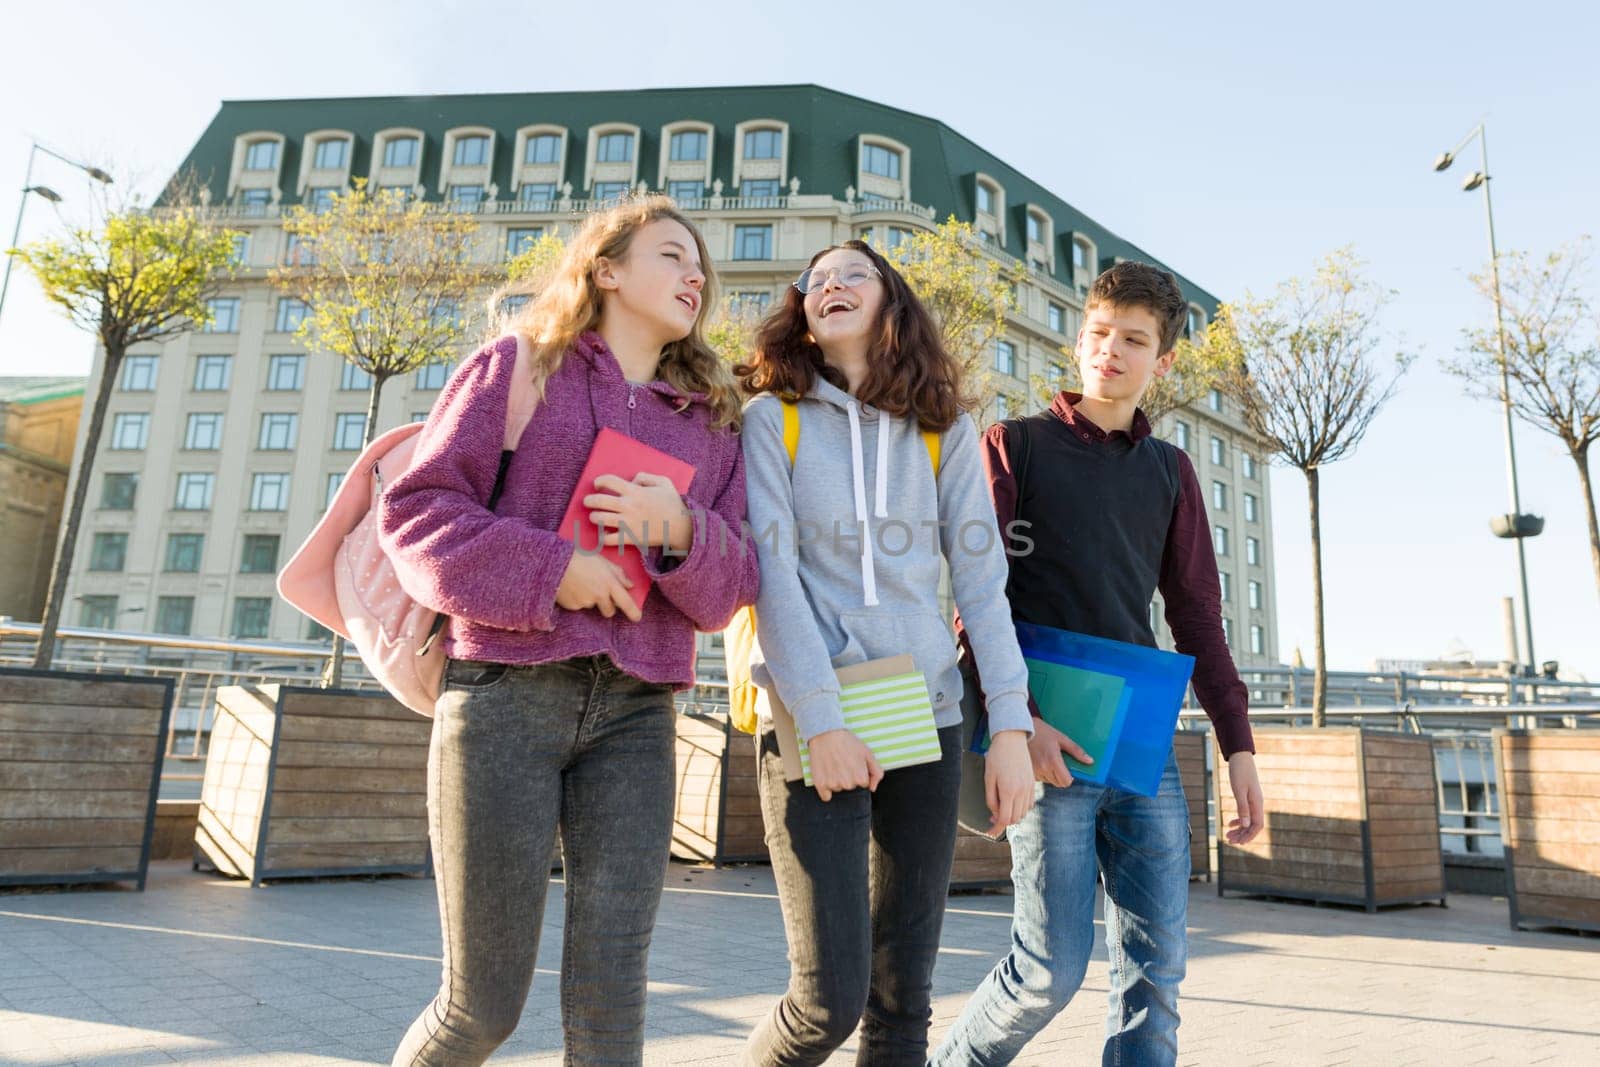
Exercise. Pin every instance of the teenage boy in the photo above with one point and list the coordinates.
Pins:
(1114, 514)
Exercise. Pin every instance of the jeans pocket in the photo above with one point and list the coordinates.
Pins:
(474, 675)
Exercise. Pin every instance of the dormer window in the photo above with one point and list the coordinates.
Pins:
(986, 199)
(401, 151)
(331, 154)
(614, 148)
(990, 200)
(880, 160)
(261, 155)
(472, 151)
(1195, 326)
(763, 144)
(688, 146)
(542, 148)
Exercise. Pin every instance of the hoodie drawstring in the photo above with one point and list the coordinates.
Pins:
(869, 580)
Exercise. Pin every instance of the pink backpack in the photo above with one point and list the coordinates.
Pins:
(342, 578)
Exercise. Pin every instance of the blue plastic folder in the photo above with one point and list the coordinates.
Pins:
(1154, 684)
(1088, 706)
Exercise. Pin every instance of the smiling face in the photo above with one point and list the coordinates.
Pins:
(658, 282)
(1119, 352)
(840, 314)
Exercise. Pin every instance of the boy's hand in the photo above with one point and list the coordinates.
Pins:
(1008, 779)
(647, 510)
(1046, 747)
(596, 582)
(840, 761)
(1247, 794)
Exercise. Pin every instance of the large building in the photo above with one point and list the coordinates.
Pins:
(224, 446)
(38, 428)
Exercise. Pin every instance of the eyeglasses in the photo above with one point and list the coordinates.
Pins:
(815, 278)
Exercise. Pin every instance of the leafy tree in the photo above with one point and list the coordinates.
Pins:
(1307, 366)
(130, 277)
(1552, 356)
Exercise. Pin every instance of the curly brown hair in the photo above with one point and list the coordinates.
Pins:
(910, 373)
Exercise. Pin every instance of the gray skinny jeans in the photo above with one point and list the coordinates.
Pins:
(515, 750)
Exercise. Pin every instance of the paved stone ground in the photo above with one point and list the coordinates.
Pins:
(198, 969)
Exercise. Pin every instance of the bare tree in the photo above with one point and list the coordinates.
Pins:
(1308, 369)
(129, 276)
(1552, 356)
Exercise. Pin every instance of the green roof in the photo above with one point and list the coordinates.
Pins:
(824, 127)
(35, 390)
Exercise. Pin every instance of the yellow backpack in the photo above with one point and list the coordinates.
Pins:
(739, 639)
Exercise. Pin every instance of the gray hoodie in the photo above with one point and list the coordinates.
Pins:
(831, 597)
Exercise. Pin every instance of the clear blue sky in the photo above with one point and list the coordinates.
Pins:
(1239, 141)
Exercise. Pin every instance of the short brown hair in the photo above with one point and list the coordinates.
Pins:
(910, 373)
(1142, 285)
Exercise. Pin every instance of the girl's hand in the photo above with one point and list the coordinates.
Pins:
(595, 582)
(646, 511)
(840, 761)
(1008, 778)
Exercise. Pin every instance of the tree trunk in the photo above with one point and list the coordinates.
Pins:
(1582, 460)
(61, 567)
(334, 678)
(1319, 693)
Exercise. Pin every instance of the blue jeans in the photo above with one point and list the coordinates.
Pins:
(1139, 848)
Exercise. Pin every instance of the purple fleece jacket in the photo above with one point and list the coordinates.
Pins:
(496, 573)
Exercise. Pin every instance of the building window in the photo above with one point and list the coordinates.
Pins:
(1247, 463)
(298, 252)
(1214, 400)
(251, 615)
(433, 375)
(1058, 375)
(353, 377)
(255, 201)
(512, 303)
(986, 198)
(331, 154)
(1002, 406)
(880, 160)
(1251, 506)
(130, 431)
(752, 242)
(472, 151)
(334, 481)
(1219, 496)
(466, 195)
(1180, 434)
(521, 238)
(109, 552)
(688, 146)
(537, 195)
(1005, 357)
(260, 555)
(446, 313)
(763, 144)
(117, 492)
(761, 189)
(1252, 551)
(1056, 317)
(194, 491)
(261, 155)
(224, 315)
(419, 416)
(1219, 538)
(98, 612)
(1196, 324)
(542, 148)
(278, 431)
(204, 432)
(286, 374)
(1225, 584)
(1035, 228)
(348, 430)
(319, 199)
(269, 492)
(1080, 255)
(1227, 631)
(614, 148)
(686, 192)
(1219, 451)
(292, 311)
(1253, 590)
(608, 191)
(400, 152)
(1258, 639)
(212, 373)
(139, 373)
(183, 553)
(174, 614)
(241, 249)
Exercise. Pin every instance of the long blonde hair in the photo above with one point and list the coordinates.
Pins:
(568, 303)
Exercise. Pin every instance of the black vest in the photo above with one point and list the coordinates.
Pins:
(1099, 515)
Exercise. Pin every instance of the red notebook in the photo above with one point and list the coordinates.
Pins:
(619, 454)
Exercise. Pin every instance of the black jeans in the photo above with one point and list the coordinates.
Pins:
(514, 750)
(863, 881)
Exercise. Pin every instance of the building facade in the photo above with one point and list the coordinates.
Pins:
(223, 447)
(38, 429)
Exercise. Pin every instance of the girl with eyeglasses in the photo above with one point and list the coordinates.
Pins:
(862, 859)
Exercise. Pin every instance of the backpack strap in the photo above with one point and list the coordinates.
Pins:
(931, 441)
(934, 443)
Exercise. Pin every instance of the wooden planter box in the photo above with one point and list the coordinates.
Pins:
(1190, 748)
(980, 863)
(1550, 823)
(1352, 818)
(80, 767)
(302, 782)
(717, 814)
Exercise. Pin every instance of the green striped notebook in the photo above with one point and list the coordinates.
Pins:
(885, 703)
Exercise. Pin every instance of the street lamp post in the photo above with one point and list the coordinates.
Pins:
(45, 193)
(1516, 526)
